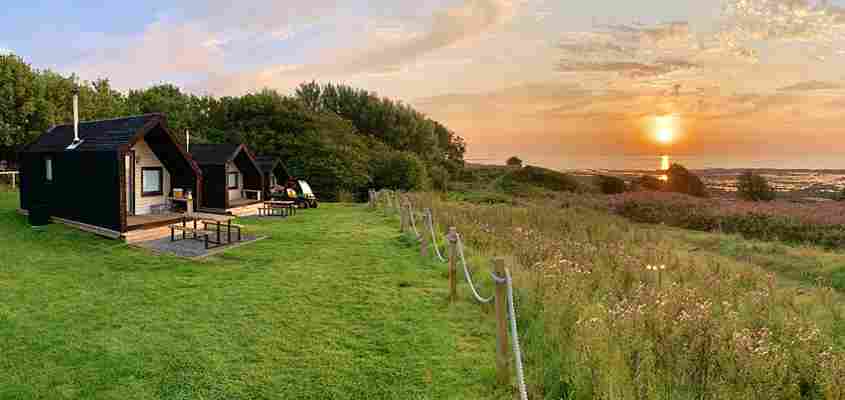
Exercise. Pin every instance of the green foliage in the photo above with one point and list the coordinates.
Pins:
(393, 123)
(514, 161)
(754, 187)
(398, 170)
(683, 181)
(546, 179)
(610, 184)
(327, 134)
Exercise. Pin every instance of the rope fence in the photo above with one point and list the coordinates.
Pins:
(506, 318)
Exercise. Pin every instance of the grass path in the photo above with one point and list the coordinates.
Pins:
(334, 305)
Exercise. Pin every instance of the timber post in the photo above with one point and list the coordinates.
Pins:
(452, 239)
(502, 370)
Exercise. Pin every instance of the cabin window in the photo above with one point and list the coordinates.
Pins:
(48, 169)
(232, 180)
(152, 181)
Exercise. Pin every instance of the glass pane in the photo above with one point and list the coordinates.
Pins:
(152, 181)
(233, 180)
(48, 168)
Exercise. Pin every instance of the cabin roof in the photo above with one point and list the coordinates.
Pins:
(214, 154)
(101, 135)
(267, 163)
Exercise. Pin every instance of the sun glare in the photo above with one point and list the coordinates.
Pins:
(665, 129)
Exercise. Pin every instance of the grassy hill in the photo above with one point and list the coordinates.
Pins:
(333, 305)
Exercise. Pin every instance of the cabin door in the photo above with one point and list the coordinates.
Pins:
(130, 183)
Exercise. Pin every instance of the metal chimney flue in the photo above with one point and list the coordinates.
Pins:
(76, 140)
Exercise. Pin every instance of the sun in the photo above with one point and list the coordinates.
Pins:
(665, 128)
(665, 135)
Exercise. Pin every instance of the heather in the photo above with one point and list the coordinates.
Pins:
(611, 309)
(821, 224)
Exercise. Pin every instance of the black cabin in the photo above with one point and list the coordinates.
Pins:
(231, 176)
(121, 171)
(274, 172)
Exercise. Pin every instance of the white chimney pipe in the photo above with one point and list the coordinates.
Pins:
(187, 140)
(75, 114)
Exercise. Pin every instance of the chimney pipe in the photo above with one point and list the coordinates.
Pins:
(76, 140)
(76, 114)
(187, 140)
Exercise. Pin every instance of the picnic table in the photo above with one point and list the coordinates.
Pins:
(278, 207)
(209, 231)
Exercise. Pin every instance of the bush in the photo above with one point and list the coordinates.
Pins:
(683, 181)
(439, 178)
(754, 187)
(546, 179)
(398, 170)
(610, 184)
(649, 182)
(514, 161)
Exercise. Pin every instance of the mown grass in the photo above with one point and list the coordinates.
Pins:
(333, 305)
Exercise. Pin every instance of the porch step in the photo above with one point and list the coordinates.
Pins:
(245, 211)
(143, 235)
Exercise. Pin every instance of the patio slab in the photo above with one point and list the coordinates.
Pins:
(191, 248)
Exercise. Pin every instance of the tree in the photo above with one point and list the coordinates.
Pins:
(681, 180)
(754, 187)
(514, 162)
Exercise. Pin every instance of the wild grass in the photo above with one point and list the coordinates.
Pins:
(333, 305)
(616, 310)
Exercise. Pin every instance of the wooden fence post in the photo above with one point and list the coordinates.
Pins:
(502, 370)
(403, 219)
(452, 238)
(423, 243)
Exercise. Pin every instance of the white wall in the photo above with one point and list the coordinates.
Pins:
(144, 157)
(234, 194)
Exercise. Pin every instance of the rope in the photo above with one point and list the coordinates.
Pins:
(430, 222)
(467, 275)
(517, 351)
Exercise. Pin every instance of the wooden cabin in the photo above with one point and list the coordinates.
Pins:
(114, 177)
(274, 172)
(233, 182)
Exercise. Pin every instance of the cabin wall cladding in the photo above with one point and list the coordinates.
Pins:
(214, 186)
(234, 194)
(85, 186)
(144, 158)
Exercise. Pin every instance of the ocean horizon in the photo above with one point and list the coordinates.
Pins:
(656, 162)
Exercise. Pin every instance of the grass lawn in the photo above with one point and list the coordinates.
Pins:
(334, 305)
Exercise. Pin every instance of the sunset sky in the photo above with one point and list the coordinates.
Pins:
(547, 80)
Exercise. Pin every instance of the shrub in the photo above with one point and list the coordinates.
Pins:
(514, 161)
(610, 184)
(683, 181)
(398, 170)
(439, 178)
(649, 182)
(546, 179)
(754, 187)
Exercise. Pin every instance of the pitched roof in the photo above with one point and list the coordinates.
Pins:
(102, 135)
(213, 154)
(266, 163)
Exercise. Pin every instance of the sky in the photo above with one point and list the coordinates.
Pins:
(551, 81)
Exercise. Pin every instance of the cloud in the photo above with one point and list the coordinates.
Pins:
(629, 69)
(448, 27)
(811, 86)
(4, 51)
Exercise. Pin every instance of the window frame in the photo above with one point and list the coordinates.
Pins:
(237, 180)
(160, 190)
(49, 170)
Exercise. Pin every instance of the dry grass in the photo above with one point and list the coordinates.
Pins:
(611, 309)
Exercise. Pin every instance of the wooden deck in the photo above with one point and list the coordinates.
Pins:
(137, 222)
(243, 202)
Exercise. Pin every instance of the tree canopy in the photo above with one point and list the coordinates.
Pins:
(336, 136)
